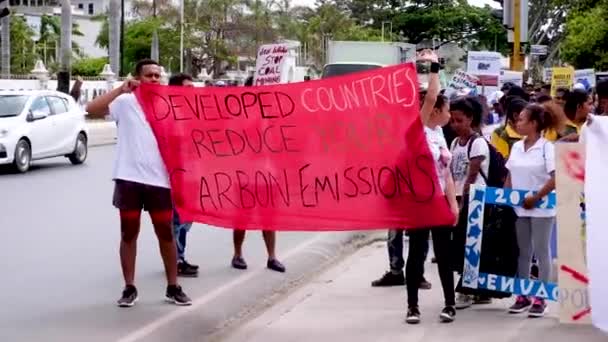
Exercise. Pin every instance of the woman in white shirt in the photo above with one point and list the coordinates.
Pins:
(434, 114)
(531, 167)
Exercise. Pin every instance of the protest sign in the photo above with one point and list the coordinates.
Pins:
(585, 77)
(269, 64)
(507, 76)
(538, 50)
(471, 276)
(596, 189)
(484, 63)
(561, 78)
(547, 75)
(461, 80)
(601, 76)
(486, 66)
(341, 153)
(572, 266)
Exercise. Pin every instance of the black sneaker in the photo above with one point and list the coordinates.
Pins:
(425, 285)
(194, 267)
(413, 316)
(538, 308)
(186, 270)
(239, 263)
(275, 265)
(390, 279)
(176, 296)
(482, 300)
(129, 297)
(447, 314)
(534, 271)
(521, 304)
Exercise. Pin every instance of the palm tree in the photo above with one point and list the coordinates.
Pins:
(6, 46)
(113, 35)
(63, 77)
(50, 34)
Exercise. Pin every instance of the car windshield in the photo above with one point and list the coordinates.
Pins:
(12, 105)
(344, 69)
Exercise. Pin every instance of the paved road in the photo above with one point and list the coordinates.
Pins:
(60, 267)
(339, 305)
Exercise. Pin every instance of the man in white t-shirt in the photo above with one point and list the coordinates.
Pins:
(141, 182)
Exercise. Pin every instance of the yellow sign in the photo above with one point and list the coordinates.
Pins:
(561, 78)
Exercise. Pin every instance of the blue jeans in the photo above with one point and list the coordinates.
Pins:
(395, 250)
(180, 230)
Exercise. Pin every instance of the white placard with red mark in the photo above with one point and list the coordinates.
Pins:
(572, 270)
(596, 189)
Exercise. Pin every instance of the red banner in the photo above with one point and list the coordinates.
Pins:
(337, 154)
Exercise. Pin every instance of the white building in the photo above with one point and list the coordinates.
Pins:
(83, 12)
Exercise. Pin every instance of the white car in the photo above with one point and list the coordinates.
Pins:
(40, 124)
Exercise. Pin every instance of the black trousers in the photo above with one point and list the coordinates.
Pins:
(459, 239)
(414, 269)
(395, 250)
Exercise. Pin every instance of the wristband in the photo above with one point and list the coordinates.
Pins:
(434, 68)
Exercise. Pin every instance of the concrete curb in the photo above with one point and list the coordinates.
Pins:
(101, 133)
(211, 321)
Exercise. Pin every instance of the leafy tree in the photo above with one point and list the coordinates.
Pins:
(328, 21)
(23, 57)
(161, 8)
(586, 40)
(449, 22)
(89, 66)
(417, 21)
(50, 33)
(103, 37)
(217, 31)
(138, 41)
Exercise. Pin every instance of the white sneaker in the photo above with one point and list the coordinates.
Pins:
(463, 301)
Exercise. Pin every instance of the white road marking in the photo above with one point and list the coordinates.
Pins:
(199, 302)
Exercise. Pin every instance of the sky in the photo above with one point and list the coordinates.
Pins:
(472, 2)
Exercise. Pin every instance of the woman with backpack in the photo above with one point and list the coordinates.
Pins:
(532, 167)
(470, 158)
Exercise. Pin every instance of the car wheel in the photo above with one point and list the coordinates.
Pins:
(81, 150)
(23, 156)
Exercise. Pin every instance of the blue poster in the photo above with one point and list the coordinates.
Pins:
(471, 277)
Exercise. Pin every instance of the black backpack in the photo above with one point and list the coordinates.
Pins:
(497, 170)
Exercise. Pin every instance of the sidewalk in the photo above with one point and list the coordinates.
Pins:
(101, 132)
(340, 305)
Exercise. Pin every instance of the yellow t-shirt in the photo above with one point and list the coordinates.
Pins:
(503, 138)
(553, 136)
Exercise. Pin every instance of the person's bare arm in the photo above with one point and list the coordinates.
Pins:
(549, 186)
(433, 89)
(474, 168)
(99, 106)
(508, 183)
(450, 193)
(75, 92)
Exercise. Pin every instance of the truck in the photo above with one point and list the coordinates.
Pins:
(345, 57)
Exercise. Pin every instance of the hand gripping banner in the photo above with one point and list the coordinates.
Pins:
(338, 154)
